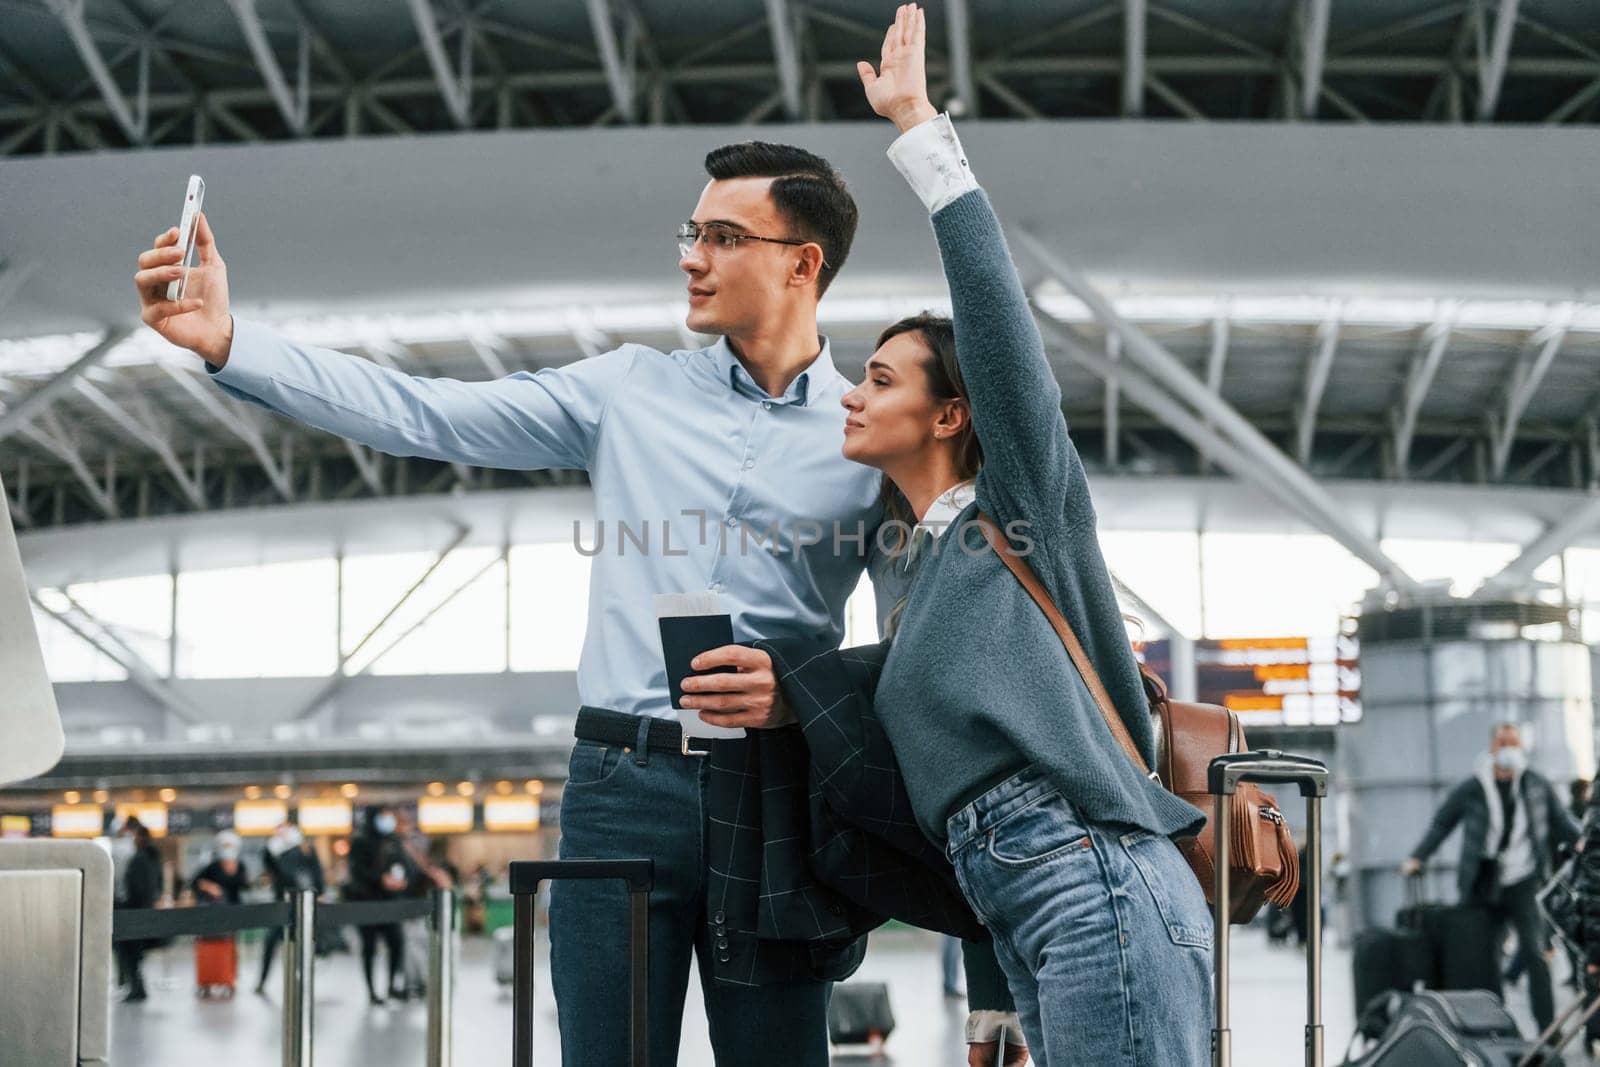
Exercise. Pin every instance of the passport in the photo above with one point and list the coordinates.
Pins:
(690, 624)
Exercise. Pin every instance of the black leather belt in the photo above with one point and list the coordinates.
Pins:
(609, 727)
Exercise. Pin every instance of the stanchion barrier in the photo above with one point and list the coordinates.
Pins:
(441, 979)
(300, 917)
(299, 969)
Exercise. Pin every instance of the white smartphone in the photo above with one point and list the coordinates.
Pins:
(188, 226)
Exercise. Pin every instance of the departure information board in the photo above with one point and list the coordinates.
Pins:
(1274, 681)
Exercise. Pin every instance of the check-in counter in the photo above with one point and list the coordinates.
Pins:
(55, 953)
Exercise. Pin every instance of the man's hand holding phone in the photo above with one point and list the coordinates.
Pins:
(199, 321)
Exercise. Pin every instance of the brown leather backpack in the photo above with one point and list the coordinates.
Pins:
(1263, 864)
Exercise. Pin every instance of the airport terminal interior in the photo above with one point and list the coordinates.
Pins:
(1319, 281)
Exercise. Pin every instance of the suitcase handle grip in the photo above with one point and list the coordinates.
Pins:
(1227, 772)
(527, 874)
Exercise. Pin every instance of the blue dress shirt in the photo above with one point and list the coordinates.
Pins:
(721, 487)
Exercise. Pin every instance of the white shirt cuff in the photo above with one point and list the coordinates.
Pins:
(929, 156)
(984, 1026)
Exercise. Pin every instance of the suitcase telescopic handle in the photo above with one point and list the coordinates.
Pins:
(1223, 778)
(639, 875)
(526, 875)
(1226, 773)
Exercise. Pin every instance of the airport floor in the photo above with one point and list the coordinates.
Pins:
(176, 1029)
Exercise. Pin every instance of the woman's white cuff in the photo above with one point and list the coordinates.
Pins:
(929, 156)
(984, 1026)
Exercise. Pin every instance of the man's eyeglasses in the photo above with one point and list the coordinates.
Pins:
(720, 238)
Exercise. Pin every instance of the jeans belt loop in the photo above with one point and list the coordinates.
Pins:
(641, 747)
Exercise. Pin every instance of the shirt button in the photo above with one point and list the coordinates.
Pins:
(732, 521)
(718, 917)
(715, 587)
(766, 405)
(722, 942)
(749, 463)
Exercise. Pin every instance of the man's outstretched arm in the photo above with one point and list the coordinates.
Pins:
(524, 421)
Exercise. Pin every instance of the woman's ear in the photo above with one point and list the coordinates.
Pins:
(954, 416)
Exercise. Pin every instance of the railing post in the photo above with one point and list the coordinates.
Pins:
(299, 964)
(441, 978)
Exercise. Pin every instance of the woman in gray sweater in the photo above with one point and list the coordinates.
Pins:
(1062, 847)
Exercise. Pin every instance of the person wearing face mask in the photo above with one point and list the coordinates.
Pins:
(122, 850)
(292, 865)
(139, 887)
(379, 870)
(1511, 821)
(223, 880)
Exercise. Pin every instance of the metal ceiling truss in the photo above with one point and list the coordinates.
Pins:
(104, 639)
(149, 436)
(314, 91)
(1233, 436)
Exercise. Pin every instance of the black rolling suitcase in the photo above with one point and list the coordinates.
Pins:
(1389, 961)
(639, 874)
(1461, 937)
(1223, 779)
(859, 1014)
(1437, 1029)
(1469, 1028)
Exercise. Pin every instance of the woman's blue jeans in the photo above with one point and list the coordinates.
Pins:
(1102, 930)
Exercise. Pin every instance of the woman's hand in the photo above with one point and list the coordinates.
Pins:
(899, 89)
(748, 696)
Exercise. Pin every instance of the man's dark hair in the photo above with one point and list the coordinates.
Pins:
(809, 194)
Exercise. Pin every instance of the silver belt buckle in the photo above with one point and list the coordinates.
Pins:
(683, 747)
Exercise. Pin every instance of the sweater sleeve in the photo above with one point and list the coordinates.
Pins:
(987, 988)
(1030, 468)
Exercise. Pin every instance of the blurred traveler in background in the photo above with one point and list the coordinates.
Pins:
(1512, 821)
(140, 888)
(379, 870)
(293, 865)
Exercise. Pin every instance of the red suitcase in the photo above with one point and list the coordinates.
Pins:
(216, 965)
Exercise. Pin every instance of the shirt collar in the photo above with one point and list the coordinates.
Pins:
(947, 505)
(817, 374)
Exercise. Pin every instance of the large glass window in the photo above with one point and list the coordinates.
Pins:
(68, 657)
(477, 610)
(1162, 568)
(273, 620)
(1464, 564)
(1279, 585)
(133, 616)
(454, 622)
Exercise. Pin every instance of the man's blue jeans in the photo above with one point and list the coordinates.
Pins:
(1103, 932)
(636, 803)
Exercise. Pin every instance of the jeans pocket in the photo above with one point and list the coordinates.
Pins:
(592, 764)
(1172, 886)
(1045, 830)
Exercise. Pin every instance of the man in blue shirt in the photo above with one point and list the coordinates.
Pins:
(727, 460)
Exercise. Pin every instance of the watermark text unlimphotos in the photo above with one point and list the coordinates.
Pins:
(695, 527)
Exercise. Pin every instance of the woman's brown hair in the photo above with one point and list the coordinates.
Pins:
(938, 335)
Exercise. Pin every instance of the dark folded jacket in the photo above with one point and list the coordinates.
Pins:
(811, 835)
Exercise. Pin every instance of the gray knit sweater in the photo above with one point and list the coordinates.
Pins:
(977, 684)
